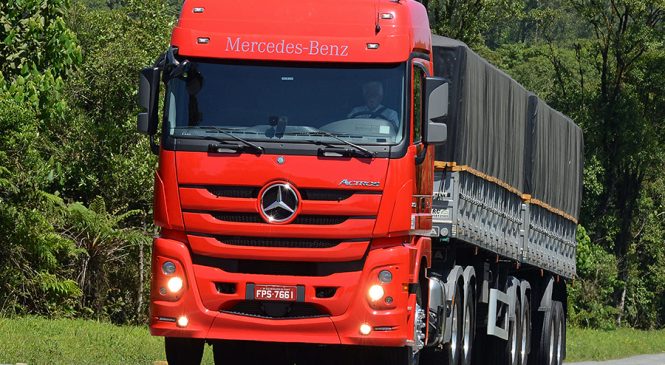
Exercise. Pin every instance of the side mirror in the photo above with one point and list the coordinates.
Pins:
(435, 130)
(148, 100)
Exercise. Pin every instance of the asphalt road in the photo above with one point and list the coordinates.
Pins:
(637, 360)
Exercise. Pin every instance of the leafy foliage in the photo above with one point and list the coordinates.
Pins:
(76, 181)
(67, 99)
(591, 295)
(35, 38)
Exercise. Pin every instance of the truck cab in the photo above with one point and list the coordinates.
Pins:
(294, 185)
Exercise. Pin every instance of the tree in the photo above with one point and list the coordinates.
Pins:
(468, 20)
(625, 137)
(35, 38)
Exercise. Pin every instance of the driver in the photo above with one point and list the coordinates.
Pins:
(373, 95)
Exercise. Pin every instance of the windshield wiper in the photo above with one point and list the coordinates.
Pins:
(223, 131)
(217, 148)
(317, 132)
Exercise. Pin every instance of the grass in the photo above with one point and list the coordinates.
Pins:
(37, 341)
(586, 344)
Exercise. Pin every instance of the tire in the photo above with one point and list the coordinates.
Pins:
(525, 333)
(505, 352)
(560, 319)
(249, 353)
(544, 349)
(400, 355)
(411, 357)
(512, 350)
(397, 356)
(468, 327)
(227, 352)
(457, 318)
(183, 351)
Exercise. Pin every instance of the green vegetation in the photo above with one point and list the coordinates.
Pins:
(38, 341)
(589, 344)
(76, 179)
(66, 341)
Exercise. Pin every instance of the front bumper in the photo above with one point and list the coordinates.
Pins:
(346, 310)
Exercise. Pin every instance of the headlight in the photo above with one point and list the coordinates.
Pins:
(376, 292)
(385, 276)
(168, 268)
(174, 284)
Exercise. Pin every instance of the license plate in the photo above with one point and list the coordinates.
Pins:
(275, 292)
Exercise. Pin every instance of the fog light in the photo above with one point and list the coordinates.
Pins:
(376, 292)
(385, 276)
(168, 268)
(174, 284)
(389, 300)
(182, 321)
(365, 329)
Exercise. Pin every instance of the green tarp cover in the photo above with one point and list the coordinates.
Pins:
(499, 128)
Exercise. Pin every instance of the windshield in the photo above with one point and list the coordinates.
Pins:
(289, 103)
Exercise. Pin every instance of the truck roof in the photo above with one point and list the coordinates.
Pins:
(303, 30)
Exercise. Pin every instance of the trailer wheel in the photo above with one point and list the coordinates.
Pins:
(505, 352)
(546, 346)
(514, 339)
(468, 327)
(525, 333)
(560, 320)
(183, 351)
(456, 319)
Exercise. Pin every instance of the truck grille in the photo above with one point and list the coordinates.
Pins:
(278, 242)
(238, 217)
(234, 191)
(252, 192)
(266, 267)
(326, 194)
(276, 310)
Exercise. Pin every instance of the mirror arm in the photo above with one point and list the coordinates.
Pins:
(420, 156)
(154, 147)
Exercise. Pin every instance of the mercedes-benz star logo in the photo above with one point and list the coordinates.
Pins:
(279, 203)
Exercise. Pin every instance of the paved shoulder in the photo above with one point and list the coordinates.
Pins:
(658, 359)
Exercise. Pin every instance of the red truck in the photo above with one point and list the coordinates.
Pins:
(334, 179)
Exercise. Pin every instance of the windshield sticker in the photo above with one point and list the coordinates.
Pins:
(311, 48)
(384, 129)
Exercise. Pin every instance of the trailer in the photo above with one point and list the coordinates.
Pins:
(508, 186)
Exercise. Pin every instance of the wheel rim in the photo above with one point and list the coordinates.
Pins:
(467, 332)
(559, 346)
(552, 344)
(419, 329)
(455, 333)
(525, 334)
(514, 341)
